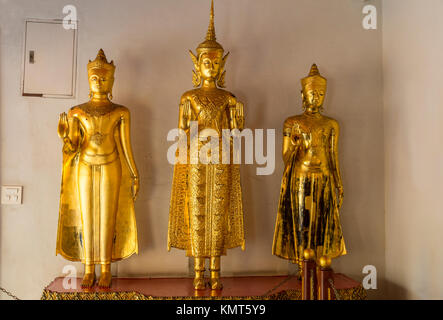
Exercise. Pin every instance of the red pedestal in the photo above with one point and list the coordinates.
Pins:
(266, 287)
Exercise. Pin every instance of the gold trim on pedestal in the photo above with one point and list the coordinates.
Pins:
(357, 293)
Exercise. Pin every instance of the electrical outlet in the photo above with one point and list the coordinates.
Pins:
(12, 194)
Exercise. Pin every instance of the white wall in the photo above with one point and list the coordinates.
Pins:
(272, 44)
(413, 94)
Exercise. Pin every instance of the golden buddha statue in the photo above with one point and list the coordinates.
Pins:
(100, 180)
(311, 189)
(206, 214)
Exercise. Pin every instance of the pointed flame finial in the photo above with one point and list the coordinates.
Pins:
(210, 42)
(211, 29)
(101, 55)
(314, 70)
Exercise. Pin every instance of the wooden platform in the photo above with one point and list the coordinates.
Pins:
(234, 288)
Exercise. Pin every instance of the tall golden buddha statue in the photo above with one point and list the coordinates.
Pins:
(311, 189)
(100, 180)
(206, 214)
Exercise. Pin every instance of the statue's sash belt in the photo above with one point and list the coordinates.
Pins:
(99, 159)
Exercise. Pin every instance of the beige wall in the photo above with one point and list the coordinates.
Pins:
(272, 44)
(413, 94)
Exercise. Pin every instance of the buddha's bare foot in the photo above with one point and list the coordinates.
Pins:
(88, 280)
(199, 268)
(216, 284)
(199, 283)
(105, 280)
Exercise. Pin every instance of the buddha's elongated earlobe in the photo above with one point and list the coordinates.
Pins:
(221, 79)
(222, 74)
(196, 79)
(303, 100)
(110, 94)
(196, 76)
(90, 94)
(194, 59)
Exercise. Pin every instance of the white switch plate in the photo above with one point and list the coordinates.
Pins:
(12, 194)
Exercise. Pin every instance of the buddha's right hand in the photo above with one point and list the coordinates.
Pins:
(135, 187)
(296, 135)
(185, 114)
(63, 126)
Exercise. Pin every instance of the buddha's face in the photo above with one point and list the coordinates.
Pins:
(101, 82)
(314, 97)
(210, 64)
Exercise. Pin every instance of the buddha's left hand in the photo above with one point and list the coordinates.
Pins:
(135, 188)
(239, 115)
(63, 126)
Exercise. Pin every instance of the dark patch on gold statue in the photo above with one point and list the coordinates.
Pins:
(311, 191)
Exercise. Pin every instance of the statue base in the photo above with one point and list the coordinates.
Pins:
(234, 288)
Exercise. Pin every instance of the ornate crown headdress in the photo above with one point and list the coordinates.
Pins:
(209, 44)
(102, 63)
(314, 79)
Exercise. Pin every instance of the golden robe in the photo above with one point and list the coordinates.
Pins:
(70, 241)
(308, 213)
(206, 212)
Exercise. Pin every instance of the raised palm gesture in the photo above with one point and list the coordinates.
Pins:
(186, 114)
(239, 115)
(63, 126)
(296, 135)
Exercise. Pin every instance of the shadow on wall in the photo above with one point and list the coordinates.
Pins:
(393, 291)
(255, 189)
(141, 122)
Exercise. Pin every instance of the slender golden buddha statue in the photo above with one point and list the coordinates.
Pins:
(311, 189)
(206, 214)
(100, 181)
